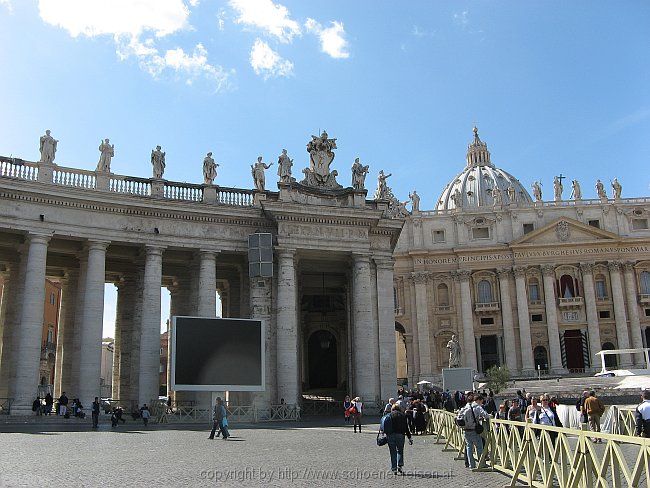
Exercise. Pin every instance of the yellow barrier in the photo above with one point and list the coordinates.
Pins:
(529, 454)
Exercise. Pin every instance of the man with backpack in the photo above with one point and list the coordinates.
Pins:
(395, 427)
(469, 419)
(642, 416)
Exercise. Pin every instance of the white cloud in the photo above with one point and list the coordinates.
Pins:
(267, 63)
(7, 4)
(116, 17)
(332, 39)
(462, 18)
(194, 3)
(221, 19)
(274, 19)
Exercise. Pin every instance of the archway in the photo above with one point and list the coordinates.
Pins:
(541, 358)
(322, 354)
(401, 354)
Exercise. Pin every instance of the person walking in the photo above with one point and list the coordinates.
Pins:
(216, 417)
(471, 416)
(347, 403)
(642, 416)
(145, 414)
(389, 406)
(356, 411)
(95, 413)
(63, 404)
(595, 408)
(394, 425)
(220, 417)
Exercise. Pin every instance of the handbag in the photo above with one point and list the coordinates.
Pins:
(382, 439)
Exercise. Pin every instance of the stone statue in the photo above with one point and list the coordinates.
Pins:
(558, 188)
(616, 189)
(321, 154)
(158, 162)
(576, 194)
(257, 170)
(457, 198)
(382, 187)
(415, 201)
(497, 197)
(454, 352)
(209, 169)
(600, 190)
(284, 167)
(107, 151)
(537, 191)
(512, 194)
(48, 148)
(359, 173)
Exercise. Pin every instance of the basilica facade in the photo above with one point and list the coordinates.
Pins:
(525, 282)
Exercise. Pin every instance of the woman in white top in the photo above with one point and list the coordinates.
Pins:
(356, 414)
(547, 415)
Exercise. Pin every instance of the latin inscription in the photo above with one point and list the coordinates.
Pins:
(323, 232)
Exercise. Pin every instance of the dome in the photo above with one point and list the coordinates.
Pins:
(474, 186)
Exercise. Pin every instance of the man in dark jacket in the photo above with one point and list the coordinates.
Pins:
(642, 416)
(95, 412)
(395, 427)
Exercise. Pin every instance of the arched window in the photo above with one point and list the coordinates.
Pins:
(567, 288)
(484, 291)
(645, 283)
(601, 287)
(443, 295)
(533, 290)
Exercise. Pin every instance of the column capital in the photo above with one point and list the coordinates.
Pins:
(520, 271)
(154, 250)
(587, 268)
(462, 275)
(628, 266)
(504, 273)
(208, 253)
(384, 262)
(38, 237)
(420, 277)
(614, 266)
(548, 269)
(285, 252)
(96, 245)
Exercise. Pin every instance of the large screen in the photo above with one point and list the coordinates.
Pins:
(211, 354)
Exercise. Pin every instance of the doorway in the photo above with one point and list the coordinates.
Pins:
(573, 347)
(322, 357)
(489, 352)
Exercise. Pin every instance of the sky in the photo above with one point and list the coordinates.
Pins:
(554, 87)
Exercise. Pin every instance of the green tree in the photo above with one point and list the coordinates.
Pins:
(498, 378)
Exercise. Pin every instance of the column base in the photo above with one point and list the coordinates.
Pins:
(22, 410)
(560, 371)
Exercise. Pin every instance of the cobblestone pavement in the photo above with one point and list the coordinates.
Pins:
(288, 454)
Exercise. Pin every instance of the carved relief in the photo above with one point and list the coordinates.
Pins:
(562, 230)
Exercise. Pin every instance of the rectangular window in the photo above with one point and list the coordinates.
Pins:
(603, 314)
(639, 224)
(52, 299)
(533, 288)
(594, 223)
(647, 312)
(438, 236)
(601, 290)
(487, 320)
(161, 351)
(537, 317)
(481, 233)
(529, 228)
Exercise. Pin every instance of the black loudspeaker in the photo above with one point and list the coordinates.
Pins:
(260, 255)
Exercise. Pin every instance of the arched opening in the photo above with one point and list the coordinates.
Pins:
(323, 372)
(541, 358)
(484, 292)
(401, 357)
(567, 287)
(611, 361)
(443, 295)
(645, 283)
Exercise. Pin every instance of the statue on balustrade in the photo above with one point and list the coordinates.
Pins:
(209, 169)
(107, 152)
(257, 170)
(284, 167)
(158, 162)
(600, 190)
(576, 194)
(48, 148)
(537, 191)
(454, 352)
(415, 201)
(382, 192)
(359, 173)
(558, 187)
(617, 189)
(321, 154)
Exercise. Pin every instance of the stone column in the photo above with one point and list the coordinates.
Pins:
(179, 305)
(30, 331)
(150, 330)
(548, 273)
(420, 279)
(64, 342)
(260, 307)
(415, 350)
(363, 358)
(620, 316)
(10, 316)
(386, 318)
(287, 329)
(71, 360)
(592, 313)
(124, 320)
(506, 316)
(90, 354)
(527, 361)
(136, 332)
(118, 342)
(207, 302)
(469, 340)
(633, 312)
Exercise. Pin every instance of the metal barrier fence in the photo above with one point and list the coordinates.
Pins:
(544, 456)
(187, 413)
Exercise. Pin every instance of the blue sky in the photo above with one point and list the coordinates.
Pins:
(553, 86)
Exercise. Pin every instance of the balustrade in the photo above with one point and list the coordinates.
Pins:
(235, 196)
(183, 191)
(129, 185)
(77, 178)
(17, 168)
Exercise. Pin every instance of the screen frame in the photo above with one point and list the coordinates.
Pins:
(184, 387)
